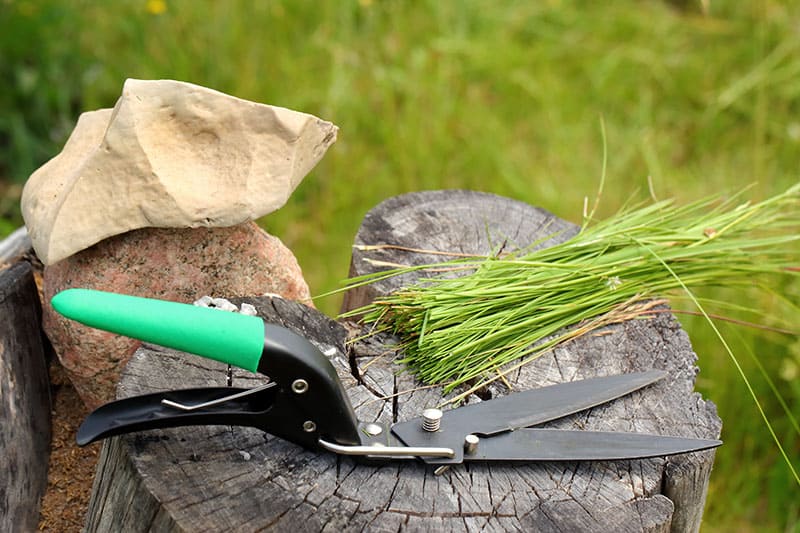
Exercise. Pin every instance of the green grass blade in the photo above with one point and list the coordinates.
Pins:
(736, 364)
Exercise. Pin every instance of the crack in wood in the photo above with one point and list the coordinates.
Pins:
(395, 400)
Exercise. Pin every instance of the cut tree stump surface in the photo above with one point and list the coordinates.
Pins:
(220, 478)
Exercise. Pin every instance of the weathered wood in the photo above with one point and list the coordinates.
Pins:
(14, 246)
(456, 221)
(221, 478)
(24, 401)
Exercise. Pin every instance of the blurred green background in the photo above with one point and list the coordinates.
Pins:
(698, 97)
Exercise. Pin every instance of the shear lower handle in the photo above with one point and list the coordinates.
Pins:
(140, 413)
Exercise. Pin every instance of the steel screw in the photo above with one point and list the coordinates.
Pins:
(471, 444)
(431, 419)
(309, 426)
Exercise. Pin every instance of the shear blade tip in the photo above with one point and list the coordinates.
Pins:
(88, 434)
(83, 440)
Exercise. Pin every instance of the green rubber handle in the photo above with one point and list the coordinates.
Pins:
(220, 335)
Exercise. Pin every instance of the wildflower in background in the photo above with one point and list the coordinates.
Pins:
(155, 7)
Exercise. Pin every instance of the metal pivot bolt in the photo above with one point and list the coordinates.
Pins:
(471, 444)
(431, 419)
(299, 386)
(309, 426)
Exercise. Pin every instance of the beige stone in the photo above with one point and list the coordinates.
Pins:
(170, 155)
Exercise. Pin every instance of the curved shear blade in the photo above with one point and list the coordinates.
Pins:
(573, 445)
(537, 406)
(521, 409)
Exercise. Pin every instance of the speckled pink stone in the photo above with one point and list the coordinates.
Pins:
(171, 264)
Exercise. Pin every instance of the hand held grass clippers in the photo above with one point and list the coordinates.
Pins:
(305, 403)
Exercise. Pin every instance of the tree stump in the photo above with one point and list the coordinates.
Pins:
(240, 479)
(24, 401)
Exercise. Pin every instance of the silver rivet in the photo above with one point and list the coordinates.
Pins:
(373, 429)
(299, 386)
(471, 444)
(431, 419)
(309, 426)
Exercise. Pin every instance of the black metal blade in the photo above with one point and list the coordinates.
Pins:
(568, 445)
(522, 409)
(537, 406)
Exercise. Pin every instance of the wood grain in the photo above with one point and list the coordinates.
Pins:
(24, 401)
(454, 222)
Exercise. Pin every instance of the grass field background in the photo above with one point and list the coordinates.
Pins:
(697, 98)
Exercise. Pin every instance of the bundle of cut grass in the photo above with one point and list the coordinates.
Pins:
(507, 310)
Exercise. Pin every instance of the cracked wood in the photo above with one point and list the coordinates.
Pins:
(24, 400)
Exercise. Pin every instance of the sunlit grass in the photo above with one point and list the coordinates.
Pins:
(500, 97)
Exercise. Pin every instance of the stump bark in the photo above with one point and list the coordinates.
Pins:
(24, 400)
(233, 478)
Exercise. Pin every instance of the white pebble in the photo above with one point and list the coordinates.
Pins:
(248, 310)
(245, 455)
(205, 301)
(225, 305)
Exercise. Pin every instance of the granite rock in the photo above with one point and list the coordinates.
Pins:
(172, 264)
(169, 155)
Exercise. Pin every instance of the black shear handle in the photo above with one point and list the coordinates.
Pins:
(159, 410)
(303, 403)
